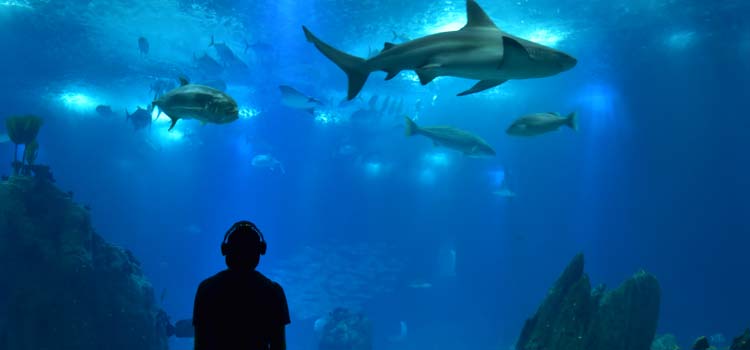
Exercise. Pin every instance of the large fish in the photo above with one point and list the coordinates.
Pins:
(450, 137)
(480, 50)
(193, 101)
(292, 98)
(266, 161)
(540, 123)
(208, 65)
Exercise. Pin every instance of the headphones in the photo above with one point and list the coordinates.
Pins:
(227, 248)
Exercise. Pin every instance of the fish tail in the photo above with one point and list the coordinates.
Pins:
(411, 127)
(355, 67)
(127, 115)
(572, 121)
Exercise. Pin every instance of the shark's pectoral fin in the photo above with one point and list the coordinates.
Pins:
(425, 77)
(391, 75)
(481, 86)
(387, 46)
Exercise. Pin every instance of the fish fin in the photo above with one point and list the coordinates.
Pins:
(411, 127)
(425, 77)
(183, 80)
(212, 40)
(395, 35)
(481, 86)
(514, 43)
(476, 17)
(391, 75)
(387, 46)
(174, 121)
(572, 121)
(247, 46)
(127, 115)
(355, 67)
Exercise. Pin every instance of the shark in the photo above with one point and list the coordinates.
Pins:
(480, 51)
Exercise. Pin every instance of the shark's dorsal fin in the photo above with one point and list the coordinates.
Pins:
(476, 17)
(387, 46)
(184, 80)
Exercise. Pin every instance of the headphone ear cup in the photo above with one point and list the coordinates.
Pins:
(262, 248)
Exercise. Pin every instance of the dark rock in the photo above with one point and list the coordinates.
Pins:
(742, 342)
(573, 317)
(61, 285)
(346, 330)
(701, 344)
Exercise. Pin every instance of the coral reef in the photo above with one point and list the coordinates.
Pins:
(742, 342)
(346, 330)
(61, 285)
(573, 317)
(665, 342)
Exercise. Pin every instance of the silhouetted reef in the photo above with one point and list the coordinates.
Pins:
(61, 285)
(575, 317)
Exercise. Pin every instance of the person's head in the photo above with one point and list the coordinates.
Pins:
(243, 245)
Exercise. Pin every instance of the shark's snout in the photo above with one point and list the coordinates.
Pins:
(568, 62)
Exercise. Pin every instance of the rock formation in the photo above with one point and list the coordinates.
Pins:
(575, 317)
(61, 285)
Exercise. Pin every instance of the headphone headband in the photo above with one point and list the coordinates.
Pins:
(226, 248)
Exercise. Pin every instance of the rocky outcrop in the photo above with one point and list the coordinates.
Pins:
(742, 342)
(575, 317)
(61, 285)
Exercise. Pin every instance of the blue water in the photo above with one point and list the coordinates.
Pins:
(656, 178)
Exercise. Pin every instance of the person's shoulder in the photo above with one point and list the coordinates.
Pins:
(267, 282)
(208, 282)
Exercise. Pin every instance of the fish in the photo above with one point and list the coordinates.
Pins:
(208, 65)
(104, 111)
(226, 55)
(540, 123)
(200, 102)
(450, 137)
(140, 119)
(292, 98)
(143, 46)
(480, 51)
(268, 162)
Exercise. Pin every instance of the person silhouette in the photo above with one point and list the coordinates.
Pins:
(240, 308)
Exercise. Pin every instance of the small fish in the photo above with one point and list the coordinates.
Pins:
(143, 46)
(540, 123)
(193, 101)
(267, 161)
(292, 98)
(140, 119)
(450, 137)
(104, 111)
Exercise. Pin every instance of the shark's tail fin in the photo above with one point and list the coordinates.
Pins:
(355, 67)
(572, 121)
(411, 127)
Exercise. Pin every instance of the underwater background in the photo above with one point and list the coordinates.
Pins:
(357, 215)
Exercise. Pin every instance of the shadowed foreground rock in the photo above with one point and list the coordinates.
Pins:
(61, 285)
(573, 317)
